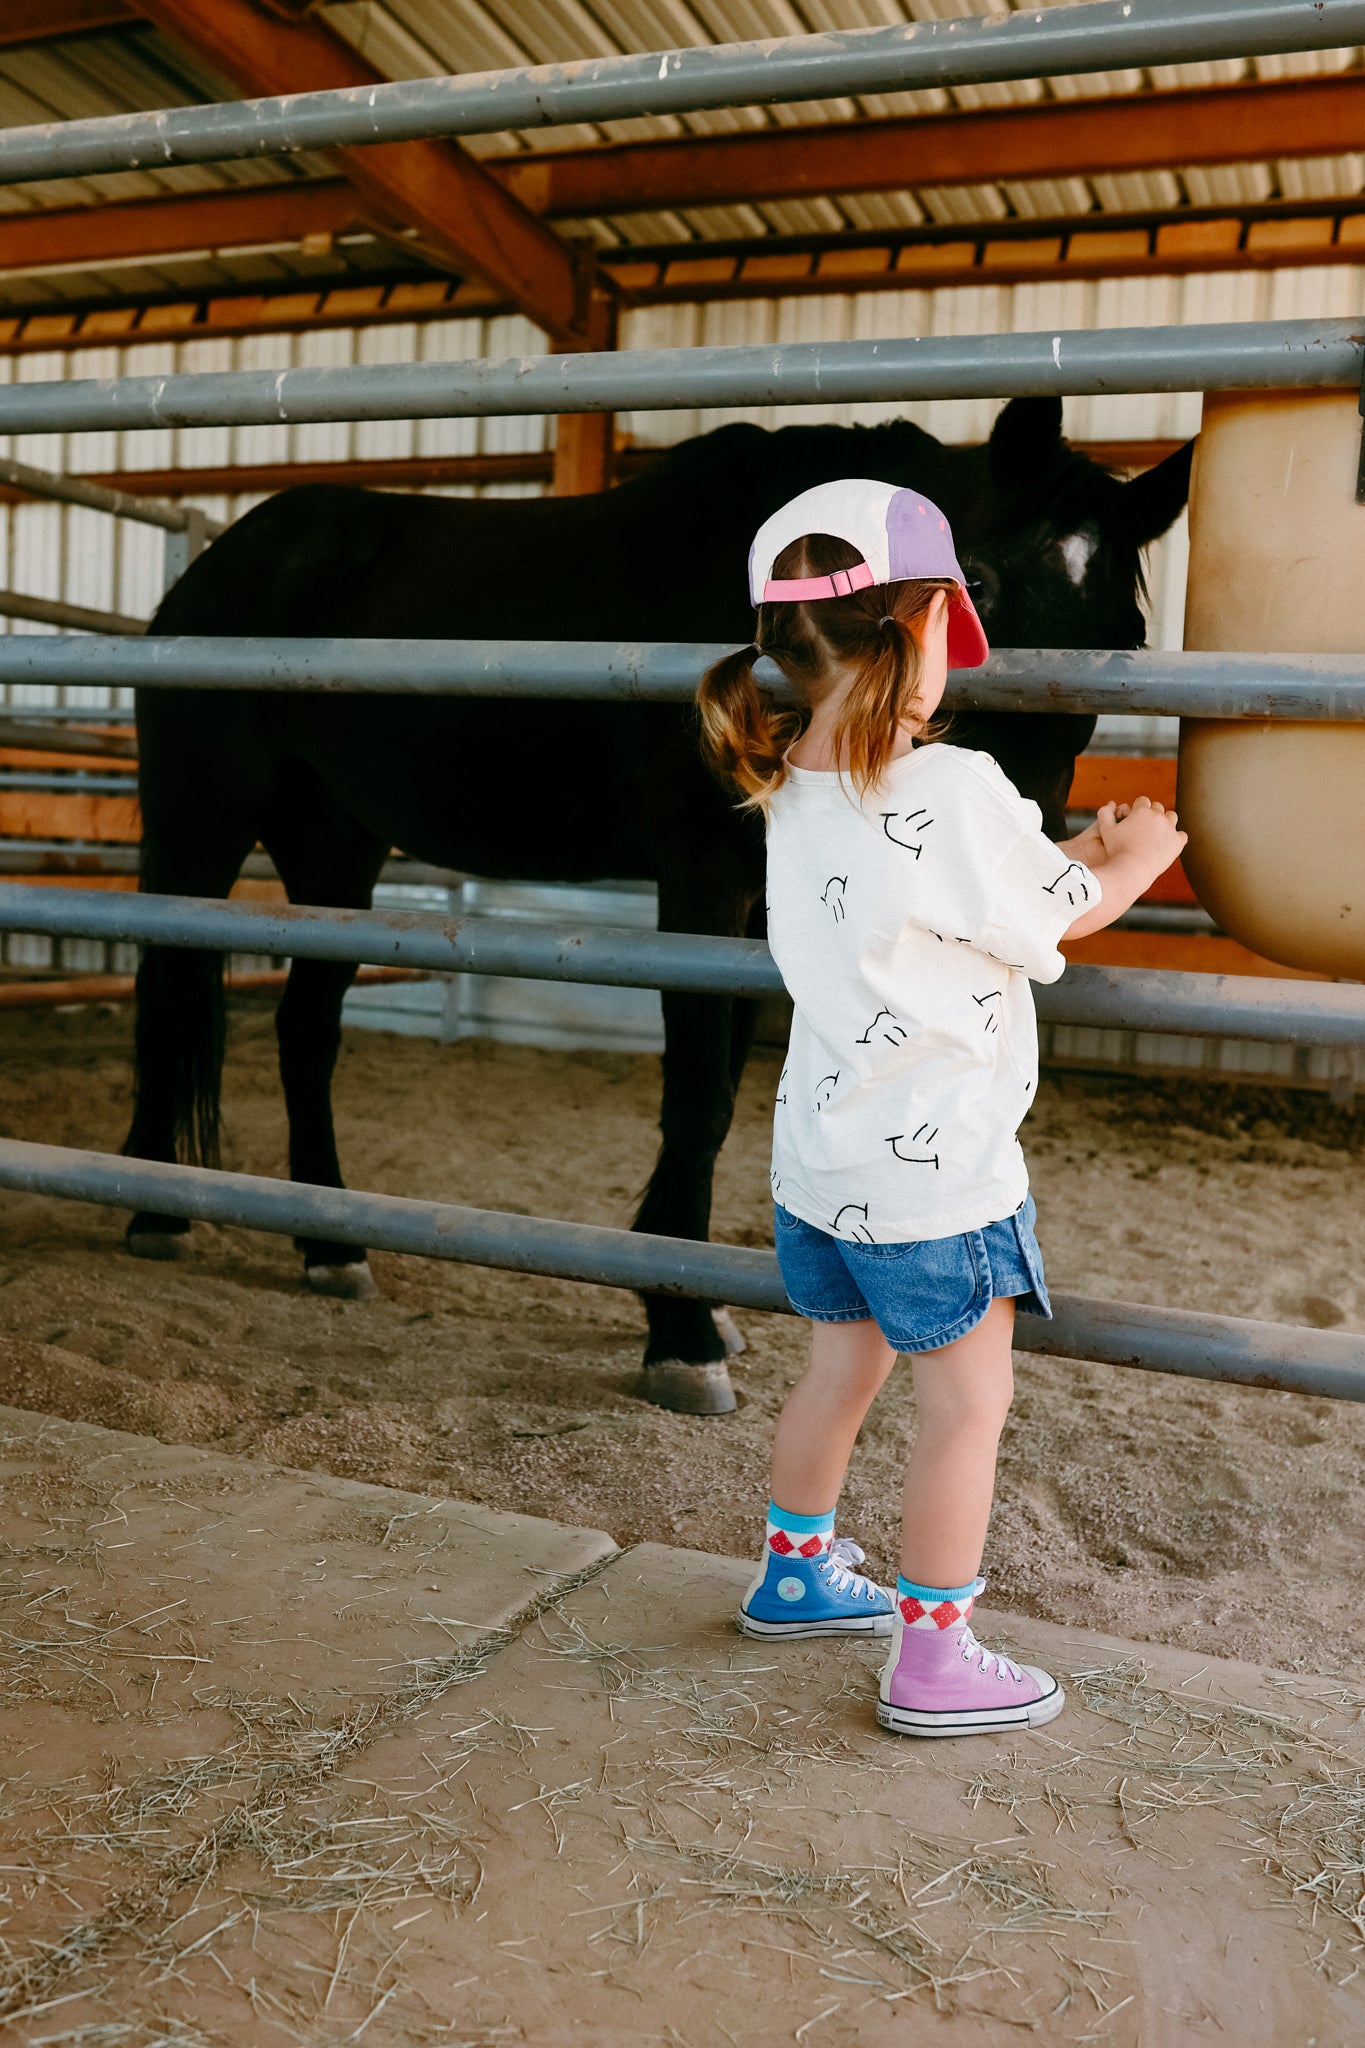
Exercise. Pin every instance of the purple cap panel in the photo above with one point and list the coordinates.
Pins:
(919, 540)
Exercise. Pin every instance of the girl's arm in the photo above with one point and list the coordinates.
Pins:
(1125, 849)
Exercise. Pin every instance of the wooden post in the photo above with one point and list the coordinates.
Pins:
(585, 441)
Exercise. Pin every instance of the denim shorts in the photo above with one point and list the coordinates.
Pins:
(922, 1295)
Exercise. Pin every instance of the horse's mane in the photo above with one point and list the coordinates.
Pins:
(687, 462)
(1072, 488)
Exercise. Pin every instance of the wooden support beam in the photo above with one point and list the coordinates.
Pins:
(1276, 236)
(460, 215)
(422, 472)
(396, 473)
(583, 453)
(49, 814)
(1189, 952)
(181, 224)
(1055, 139)
(41, 21)
(585, 442)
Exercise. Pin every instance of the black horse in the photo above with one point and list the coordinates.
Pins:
(560, 791)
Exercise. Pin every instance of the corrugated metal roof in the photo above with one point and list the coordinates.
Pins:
(137, 68)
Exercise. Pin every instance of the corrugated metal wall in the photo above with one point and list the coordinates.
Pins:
(88, 559)
(85, 558)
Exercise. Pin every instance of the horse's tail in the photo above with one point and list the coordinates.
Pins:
(178, 1056)
(203, 765)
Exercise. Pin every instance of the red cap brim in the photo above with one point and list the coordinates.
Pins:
(968, 646)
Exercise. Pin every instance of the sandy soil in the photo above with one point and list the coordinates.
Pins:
(1225, 1520)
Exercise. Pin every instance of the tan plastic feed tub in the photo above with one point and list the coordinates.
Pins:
(1276, 811)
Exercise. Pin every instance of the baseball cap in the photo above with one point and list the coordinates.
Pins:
(900, 536)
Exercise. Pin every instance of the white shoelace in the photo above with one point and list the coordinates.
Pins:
(990, 1660)
(837, 1572)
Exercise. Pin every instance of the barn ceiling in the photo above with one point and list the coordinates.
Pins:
(269, 224)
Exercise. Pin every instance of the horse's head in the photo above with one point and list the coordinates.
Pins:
(1052, 542)
(1051, 545)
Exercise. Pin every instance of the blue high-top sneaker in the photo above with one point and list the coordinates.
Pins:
(806, 1585)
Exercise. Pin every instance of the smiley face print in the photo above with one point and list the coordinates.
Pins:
(907, 829)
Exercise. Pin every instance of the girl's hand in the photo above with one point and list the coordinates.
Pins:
(1143, 832)
(1095, 842)
(1090, 846)
(1142, 829)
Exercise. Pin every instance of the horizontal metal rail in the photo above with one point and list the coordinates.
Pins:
(1230, 356)
(52, 611)
(1275, 1355)
(50, 857)
(40, 736)
(63, 857)
(1126, 998)
(1145, 682)
(68, 782)
(1108, 35)
(73, 714)
(74, 490)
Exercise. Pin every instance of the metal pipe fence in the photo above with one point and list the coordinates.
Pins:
(1126, 998)
(1145, 681)
(1226, 356)
(1110, 35)
(1106, 35)
(81, 618)
(187, 531)
(76, 490)
(1227, 1348)
(39, 734)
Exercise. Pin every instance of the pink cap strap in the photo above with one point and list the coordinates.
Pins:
(841, 584)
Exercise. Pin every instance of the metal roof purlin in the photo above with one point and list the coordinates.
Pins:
(1221, 124)
(1099, 36)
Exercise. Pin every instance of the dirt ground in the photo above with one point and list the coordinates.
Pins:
(1224, 1520)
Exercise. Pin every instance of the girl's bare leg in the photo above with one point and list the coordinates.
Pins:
(938, 1680)
(849, 1364)
(963, 1394)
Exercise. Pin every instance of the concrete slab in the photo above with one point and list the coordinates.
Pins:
(628, 1825)
(183, 1635)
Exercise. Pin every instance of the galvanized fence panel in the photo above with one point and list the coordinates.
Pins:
(1302, 1012)
(1227, 1348)
(1139, 682)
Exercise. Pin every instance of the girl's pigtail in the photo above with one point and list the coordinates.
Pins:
(744, 734)
(882, 700)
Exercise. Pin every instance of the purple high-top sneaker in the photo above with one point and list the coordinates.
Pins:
(939, 1680)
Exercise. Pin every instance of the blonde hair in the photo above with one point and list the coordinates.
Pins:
(745, 733)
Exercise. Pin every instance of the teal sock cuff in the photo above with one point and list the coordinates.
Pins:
(800, 1525)
(906, 1589)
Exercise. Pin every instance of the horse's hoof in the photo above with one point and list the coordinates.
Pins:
(158, 1244)
(729, 1332)
(688, 1389)
(354, 1282)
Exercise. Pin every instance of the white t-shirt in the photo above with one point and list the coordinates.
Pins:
(907, 928)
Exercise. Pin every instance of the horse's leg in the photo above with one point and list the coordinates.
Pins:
(324, 857)
(743, 1023)
(684, 1364)
(178, 1036)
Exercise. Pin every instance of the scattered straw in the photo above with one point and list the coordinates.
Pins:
(192, 1856)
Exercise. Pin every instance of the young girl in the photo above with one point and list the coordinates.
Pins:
(911, 897)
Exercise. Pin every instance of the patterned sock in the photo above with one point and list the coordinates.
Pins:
(799, 1535)
(935, 1606)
